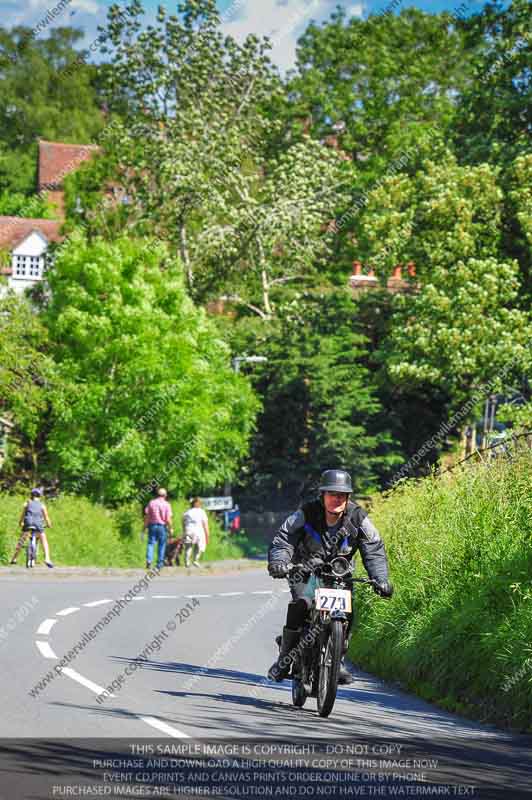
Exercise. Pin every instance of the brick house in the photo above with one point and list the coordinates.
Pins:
(24, 241)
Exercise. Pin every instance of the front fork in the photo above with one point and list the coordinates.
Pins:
(313, 639)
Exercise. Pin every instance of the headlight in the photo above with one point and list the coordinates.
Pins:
(340, 567)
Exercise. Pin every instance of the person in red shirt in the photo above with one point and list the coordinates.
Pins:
(158, 521)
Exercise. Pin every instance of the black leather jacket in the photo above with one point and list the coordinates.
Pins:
(304, 535)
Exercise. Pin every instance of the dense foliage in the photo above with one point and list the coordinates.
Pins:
(398, 139)
(40, 98)
(149, 392)
(460, 549)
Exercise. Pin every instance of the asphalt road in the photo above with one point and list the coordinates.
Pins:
(207, 642)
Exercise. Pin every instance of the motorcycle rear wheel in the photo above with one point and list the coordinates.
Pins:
(329, 667)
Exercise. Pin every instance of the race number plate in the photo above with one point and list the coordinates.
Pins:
(333, 600)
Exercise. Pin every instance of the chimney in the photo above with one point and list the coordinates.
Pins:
(397, 272)
(357, 268)
(411, 269)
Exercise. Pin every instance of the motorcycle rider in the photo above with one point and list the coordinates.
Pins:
(327, 526)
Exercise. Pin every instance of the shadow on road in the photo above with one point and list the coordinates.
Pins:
(365, 703)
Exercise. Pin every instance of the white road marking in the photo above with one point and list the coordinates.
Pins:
(46, 626)
(96, 603)
(66, 611)
(285, 591)
(45, 650)
(165, 596)
(71, 673)
(162, 726)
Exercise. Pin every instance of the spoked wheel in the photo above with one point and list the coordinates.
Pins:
(330, 658)
(31, 552)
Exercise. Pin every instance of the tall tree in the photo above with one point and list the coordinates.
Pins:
(382, 90)
(316, 383)
(377, 84)
(28, 376)
(151, 395)
(494, 119)
(192, 156)
(460, 326)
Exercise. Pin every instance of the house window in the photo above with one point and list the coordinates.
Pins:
(35, 267)
(28, 267)
(20, 266)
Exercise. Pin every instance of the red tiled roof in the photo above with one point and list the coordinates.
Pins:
(56, 160)
(14, 229)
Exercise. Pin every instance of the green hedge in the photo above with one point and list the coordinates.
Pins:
(87, 534)
(458, 630)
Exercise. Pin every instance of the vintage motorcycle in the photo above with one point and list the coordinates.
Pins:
(316, 664)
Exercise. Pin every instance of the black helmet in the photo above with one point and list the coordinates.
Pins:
(336, 480)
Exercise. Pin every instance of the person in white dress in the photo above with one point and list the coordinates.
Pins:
(195, 532)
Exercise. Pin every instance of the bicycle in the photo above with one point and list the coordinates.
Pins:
(31, 548)
(316, 664)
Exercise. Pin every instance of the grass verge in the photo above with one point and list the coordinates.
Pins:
(87, 534)
(458, 630)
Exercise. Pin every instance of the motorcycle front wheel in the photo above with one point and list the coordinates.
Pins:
(329, 667)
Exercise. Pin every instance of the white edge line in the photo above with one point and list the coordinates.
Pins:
(165, 596)
(162, 726)
(230, 594)
(264, 591)
(71, 673)
(96, 603)
(45, 650)
(192, 596)
(46, 626)
(66, 611)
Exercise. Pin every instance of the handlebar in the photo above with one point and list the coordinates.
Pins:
(305, 568)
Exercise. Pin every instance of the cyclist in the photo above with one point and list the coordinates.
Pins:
(33, 518)
(327, 526)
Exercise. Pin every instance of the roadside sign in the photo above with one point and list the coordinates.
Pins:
(217, 503)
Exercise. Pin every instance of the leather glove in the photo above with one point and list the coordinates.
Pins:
(278, 569)
(383, 588)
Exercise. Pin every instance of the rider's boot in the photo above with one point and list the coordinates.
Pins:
(281, 668)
